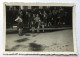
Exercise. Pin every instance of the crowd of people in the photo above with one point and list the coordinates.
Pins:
(36, 18)
(49, 17)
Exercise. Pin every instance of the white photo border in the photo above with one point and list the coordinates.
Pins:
(39, 4)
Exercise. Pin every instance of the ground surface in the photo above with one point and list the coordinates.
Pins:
(49, 41)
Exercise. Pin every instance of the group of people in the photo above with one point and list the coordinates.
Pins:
(49, 17)
(35, 24)
(36, 18)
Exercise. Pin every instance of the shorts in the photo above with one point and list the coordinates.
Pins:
(20, 25)
(36, 24)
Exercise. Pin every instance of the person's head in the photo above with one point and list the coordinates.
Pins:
(39, 12)
(52, 18)
(44, 11)
(33, 15)
(37, 15)
(26, 13)
(61, 9)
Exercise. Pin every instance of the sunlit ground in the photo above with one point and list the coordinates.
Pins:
(48, 41)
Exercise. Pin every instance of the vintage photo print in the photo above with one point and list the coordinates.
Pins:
(39, 28)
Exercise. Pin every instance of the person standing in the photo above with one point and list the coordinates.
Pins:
(33, 24)
(45, 18)
(37, 19)
(20, 25)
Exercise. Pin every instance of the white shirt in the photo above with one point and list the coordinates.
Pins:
(18, 19)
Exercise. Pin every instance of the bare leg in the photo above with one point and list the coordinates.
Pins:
(43, 27)
(20, 31)
(33, 29)
(38, 29)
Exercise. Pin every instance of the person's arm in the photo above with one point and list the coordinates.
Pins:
(16, 19)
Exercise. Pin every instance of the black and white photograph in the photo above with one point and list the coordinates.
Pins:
(39, 28)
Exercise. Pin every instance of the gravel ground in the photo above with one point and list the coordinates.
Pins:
(60, 41)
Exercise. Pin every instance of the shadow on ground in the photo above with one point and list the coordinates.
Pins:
(35, 47)
(22, 40)
(14, 48)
